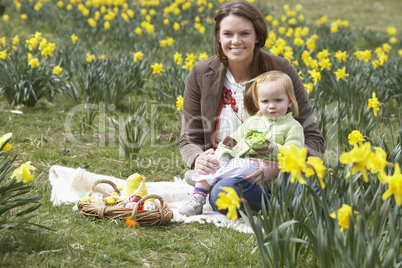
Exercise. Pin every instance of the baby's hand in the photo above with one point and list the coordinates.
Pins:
(271, 146)
(222, 145)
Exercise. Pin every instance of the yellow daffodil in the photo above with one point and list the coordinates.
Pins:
(178, 59)
(316, 166)
(138, 31)
(3, 139)
(341, 55)
(325, 64)
(179, 103)
(6, 17)
(315, 75)
(341, 74)
(106, 25)
(3, 54)
(23, 16)
(355, 137)
(57, 70)
(176, 26)
(379, 163)
(74, 38)
(230, 201)
(374, 103)
(358, 159)
(343, 216)
(157, 68)
(16, 40)
(203, 56)
(188, 65)
(400, 52)
(394, 184)
(391, 30)
(138, 56)
(90, 58)
(23, 172)
(92, 22)
(294, 162)
(309, 87)
(34, 62)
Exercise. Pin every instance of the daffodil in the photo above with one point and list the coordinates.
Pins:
(138, 31)
(294, 162)
(179, 103)
(230, 201)
(157, 68)
(316, 166)
(355, 137)
(3, 54)
(5, 138)
(23, 16)
(341, 55)
(138, 56)
(16, 40)
(309, 87)
(394, 184)
(178, 59)
(341, 74)
(34, 62)
(6, 17)
(315, 75)
(74, 38)
(23, 172)
(379, 163)
(374, 103)
(325, 64)
(92, 22)
(358, 159)
(57, 70)
(343, 215)
(391, 30)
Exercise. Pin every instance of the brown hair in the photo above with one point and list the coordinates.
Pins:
(262, 62)
(275, 79)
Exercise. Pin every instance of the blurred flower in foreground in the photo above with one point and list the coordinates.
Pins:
(293, 161)
(3, 139)
(355, 137)
(379, 163)
(358, 159)
(23, 173)
(316, 166)
(343, 215)
(34, 62)
(230, 201)
(179, 103)
(394, 183)
(374, 103)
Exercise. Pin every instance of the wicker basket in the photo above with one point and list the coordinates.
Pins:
(159, 216)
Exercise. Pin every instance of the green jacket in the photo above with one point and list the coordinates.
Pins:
(283, 132)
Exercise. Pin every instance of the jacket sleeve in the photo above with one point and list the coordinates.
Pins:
(192, 137)
(314, 141)
(294, 136)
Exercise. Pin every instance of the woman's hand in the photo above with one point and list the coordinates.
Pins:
(270, 169)
(205, 164)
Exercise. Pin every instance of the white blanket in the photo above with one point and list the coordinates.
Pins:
(68, 184)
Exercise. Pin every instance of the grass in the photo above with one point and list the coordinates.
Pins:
(39, 135)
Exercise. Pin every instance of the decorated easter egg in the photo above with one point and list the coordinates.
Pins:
(130, 205)
(149, 206)
(110, 200)
(98, 199)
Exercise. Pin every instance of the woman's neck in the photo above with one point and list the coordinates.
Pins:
(239, 72)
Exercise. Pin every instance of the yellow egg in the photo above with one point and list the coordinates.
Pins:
(110, 200)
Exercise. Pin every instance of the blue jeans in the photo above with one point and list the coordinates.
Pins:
(251, 191)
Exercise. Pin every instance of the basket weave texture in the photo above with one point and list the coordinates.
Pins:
(159, 216)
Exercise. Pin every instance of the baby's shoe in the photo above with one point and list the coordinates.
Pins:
(193, 206)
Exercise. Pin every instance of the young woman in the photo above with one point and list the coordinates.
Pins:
(216, 99)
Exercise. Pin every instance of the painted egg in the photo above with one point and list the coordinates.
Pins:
(149, 206)
(98, 199)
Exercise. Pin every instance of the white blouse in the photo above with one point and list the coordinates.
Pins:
(233, 113)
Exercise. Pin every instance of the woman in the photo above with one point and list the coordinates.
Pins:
(215, 93)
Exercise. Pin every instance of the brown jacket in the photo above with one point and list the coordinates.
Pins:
(202, 95)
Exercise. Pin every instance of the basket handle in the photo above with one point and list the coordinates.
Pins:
(142, 200)
(104, 181)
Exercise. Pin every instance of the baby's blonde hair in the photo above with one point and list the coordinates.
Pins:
(275, 78)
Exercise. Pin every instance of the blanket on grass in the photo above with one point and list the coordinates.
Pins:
(68, 183)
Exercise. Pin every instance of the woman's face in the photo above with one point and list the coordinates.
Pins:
(237, 38)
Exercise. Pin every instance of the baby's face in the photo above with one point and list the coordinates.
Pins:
(273, 101)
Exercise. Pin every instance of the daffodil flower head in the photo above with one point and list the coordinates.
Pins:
(343, 216)
(293, 162)
(394, 184)
(23, 172)
(230, 201)
(374, 103)
(355, 137)
(179, 103)
(4, 139)
(316, 166)
(358, 159)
